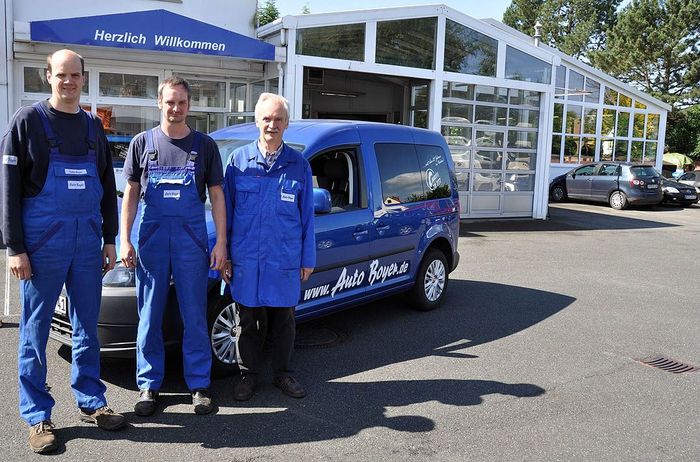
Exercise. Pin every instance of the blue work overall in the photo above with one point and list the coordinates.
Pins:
(172, 240)
(63, 238)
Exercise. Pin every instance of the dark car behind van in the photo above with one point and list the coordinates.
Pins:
(618, 183)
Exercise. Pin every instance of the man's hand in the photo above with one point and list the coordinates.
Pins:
(218, 256)
(127, 254)
(109, 257)
(306, 273)
(20, 266)
(226, 272)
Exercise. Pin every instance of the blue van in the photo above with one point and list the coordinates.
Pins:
(386, 220)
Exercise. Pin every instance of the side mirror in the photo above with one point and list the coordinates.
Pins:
(322, 200)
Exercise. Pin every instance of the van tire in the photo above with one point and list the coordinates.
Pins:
(618, 200)
(431, 282)
(222, 319)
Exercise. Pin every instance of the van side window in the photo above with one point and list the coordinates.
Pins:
(400, 173)
(436, 174)
(337, 171)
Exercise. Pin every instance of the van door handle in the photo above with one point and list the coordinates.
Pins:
(382, 227)
(358, 234)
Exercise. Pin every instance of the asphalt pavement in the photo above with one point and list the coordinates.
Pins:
(535, 355)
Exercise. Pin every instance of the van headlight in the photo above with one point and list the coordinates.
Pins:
(120, 276)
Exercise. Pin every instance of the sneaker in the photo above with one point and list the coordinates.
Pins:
(201, 401)
(244, 388)
(42, 438)
(104, 417)
(289, 386)
(146, 405)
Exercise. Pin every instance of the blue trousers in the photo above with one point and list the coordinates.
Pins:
(72, 255)
(166, 249)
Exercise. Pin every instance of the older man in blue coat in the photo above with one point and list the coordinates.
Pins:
(270, 214)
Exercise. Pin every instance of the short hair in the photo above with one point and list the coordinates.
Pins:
(271, 97)
(50, 56)
(174, 81)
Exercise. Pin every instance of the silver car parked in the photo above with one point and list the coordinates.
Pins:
(692, 179)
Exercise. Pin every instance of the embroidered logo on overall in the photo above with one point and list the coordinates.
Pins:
(76, 185)
(76, 171)
(9, 160)
(287, 197)
(171, 194)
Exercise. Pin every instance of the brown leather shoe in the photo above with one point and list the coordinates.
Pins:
(42, 438)
(104, 417)
(289, 386)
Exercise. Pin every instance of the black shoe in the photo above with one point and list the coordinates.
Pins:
(289, 386)
(244, 389)
(201, 401)
(146, 405)
(104, 417)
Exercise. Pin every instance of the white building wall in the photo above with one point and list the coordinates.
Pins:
(233, 15)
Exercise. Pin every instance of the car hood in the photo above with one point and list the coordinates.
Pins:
(666, 183)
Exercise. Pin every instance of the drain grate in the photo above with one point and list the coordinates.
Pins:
(668, 364)
(314, 336)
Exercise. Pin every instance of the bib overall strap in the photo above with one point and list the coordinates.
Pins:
(150, 146)
(196, 143)
(91, 132)
(54, 142)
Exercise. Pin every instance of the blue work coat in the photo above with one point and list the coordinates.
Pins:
(270, 217)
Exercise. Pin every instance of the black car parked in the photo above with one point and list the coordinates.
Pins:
(678, 193)
(617, 183)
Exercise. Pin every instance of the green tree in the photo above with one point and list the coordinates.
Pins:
(267, 13)
(522, 15)
(655, 46)
(683, 133)
(306, 9)
(575, 27)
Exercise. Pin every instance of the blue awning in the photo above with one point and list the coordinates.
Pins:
(154, 30)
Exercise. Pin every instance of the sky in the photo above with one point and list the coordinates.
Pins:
(474, 8)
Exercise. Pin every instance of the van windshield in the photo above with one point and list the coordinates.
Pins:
(643, 170)
(227, 146)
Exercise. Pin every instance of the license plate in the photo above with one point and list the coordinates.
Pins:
(690, 196)
(652, 186)
(62, 306)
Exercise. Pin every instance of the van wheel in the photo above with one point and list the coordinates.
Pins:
(224, 329)
(431, 281)
(557, 193)
(618, 200)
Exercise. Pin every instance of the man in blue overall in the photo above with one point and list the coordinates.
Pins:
(59, 223)
(270, 213)
(173, 164)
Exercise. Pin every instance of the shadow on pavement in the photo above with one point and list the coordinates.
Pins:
(338, 405)
(564, 219)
